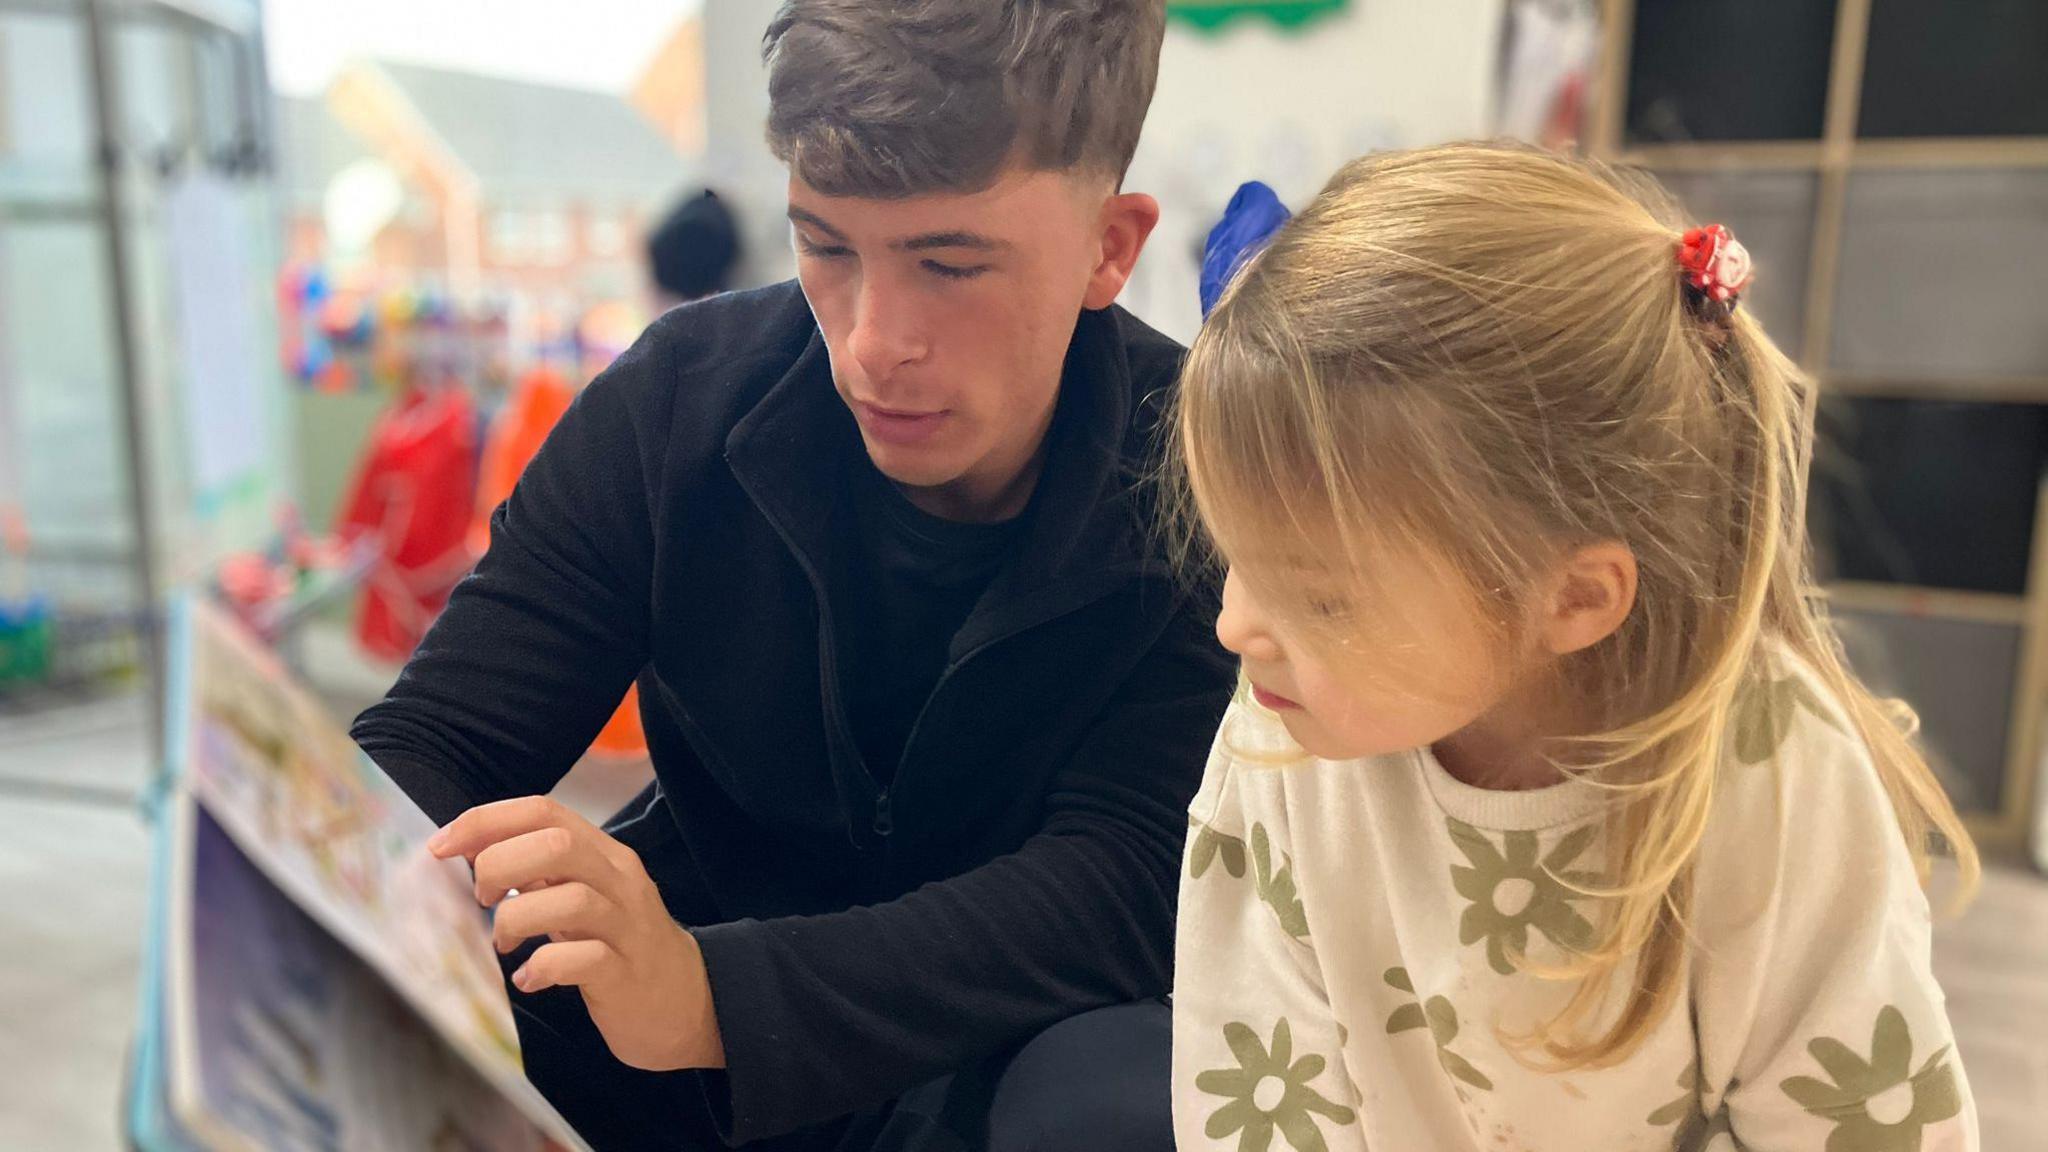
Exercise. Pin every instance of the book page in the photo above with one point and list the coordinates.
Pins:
(285, 1041)
(286, 783)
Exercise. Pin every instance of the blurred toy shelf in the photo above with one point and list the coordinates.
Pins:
(1974, 389)
(1938, 603)
(1887, 165)
(141, 405)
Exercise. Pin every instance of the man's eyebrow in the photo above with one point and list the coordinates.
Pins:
(932, 241)
(927, 242)
(800, 216)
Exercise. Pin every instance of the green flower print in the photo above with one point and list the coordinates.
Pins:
(1510, 893)
(1441, 1018)
(1879, 1104)
(1680, 1108)
(1763, 715)
(1211, 845)
(1276, 888)
(1703, 1135)
(1269, 1089)
(1699, 1132)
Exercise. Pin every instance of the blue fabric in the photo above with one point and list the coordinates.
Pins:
(1254, 214)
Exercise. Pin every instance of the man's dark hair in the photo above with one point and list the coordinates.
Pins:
(893, 98)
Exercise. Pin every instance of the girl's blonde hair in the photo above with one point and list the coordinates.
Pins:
(1487, 350)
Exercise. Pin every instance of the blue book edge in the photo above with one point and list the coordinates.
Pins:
(151, 1126)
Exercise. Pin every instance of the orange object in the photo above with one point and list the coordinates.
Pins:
(622, 736)
(516, 434)
(532, 411)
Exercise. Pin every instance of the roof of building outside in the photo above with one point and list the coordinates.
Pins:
(537, 143)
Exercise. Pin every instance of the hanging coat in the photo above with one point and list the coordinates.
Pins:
(413, 494)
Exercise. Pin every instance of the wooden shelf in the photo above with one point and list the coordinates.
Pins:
(1960, 389)
(1951, 152)
(1863, 155)
(1749, 156)
(1833, 160)
(1997, 834)
(1931, 603)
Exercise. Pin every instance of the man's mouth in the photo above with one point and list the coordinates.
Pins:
(896, 425)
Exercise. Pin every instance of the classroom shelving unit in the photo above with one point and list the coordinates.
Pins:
(121, 123)
(1886, 162)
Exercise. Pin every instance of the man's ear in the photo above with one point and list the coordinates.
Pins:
(1125, 224)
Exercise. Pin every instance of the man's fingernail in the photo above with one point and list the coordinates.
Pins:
(437, 841)
(519, 978)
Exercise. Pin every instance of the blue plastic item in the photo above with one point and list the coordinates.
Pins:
(1254, 214)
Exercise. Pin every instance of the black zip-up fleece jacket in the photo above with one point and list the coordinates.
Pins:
(679, 527)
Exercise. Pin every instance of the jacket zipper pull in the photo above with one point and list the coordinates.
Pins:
(885, 820)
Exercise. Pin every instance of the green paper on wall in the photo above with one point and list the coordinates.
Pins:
(1209, 15)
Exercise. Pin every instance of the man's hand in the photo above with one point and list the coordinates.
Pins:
(549, 872)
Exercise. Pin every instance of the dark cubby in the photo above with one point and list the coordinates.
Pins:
(1729, 70)
(1978, 68)
(1930, 493)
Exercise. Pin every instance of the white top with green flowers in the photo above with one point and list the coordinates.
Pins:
(1347, 928)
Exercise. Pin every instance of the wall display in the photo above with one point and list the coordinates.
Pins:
(1212, 14)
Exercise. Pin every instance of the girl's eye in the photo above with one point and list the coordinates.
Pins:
(1329, 607)
(954, 271)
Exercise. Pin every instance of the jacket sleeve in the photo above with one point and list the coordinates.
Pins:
(830, 1014)
(537, 646)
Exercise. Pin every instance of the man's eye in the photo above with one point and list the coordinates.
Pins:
(822, 251)
(954, 271)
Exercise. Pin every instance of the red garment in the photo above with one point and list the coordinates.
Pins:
(413, 495)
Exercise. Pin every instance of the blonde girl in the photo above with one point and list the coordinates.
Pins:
(1550, 817)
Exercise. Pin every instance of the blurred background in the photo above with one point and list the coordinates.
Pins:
(290, 290)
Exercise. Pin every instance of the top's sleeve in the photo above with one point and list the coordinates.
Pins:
(537, 646)
(1820, 1022)
(1249, 998)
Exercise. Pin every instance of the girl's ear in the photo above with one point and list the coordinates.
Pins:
(1592, 592)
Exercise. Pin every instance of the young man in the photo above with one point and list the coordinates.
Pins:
(925, 704)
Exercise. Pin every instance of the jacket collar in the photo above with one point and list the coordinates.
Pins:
(1083, 533)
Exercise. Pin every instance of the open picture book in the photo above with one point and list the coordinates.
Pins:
(312, 978)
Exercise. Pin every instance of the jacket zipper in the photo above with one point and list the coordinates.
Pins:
(916, 726)
(828, 656)
(883, 818)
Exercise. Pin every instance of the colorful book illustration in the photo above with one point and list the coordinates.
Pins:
(314, 979)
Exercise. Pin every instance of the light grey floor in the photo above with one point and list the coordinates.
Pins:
(73, 869)
(71, 908)
(1993, 963)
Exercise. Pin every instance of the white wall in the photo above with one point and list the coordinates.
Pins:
(1288, 107)
(737, 163)
(1253, 102)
